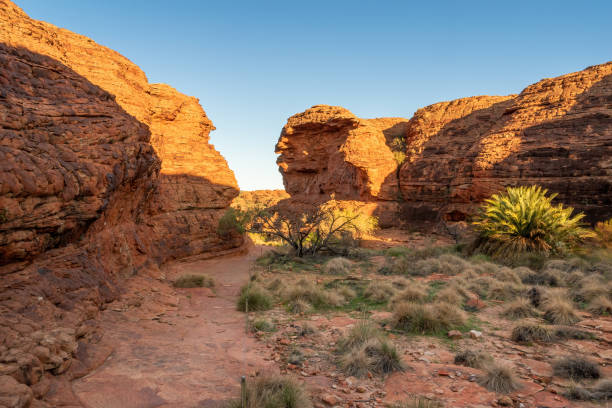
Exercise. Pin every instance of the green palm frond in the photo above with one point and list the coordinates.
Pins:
(524, 219)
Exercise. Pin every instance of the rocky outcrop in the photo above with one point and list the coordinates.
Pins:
(556, 133)
(102, 176)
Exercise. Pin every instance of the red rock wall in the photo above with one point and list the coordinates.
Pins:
(102, 176)
(556, 133)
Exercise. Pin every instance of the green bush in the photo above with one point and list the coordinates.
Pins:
(233, 221)
(274, 391)
(194, 281)
(523, 220)
(254, 298)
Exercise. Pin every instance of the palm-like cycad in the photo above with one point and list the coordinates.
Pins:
(525, 220)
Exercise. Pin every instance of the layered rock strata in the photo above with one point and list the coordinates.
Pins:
(102, 176)
(556, 133)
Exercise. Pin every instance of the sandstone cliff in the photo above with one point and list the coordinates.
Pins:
(556, 133)
(102, 176)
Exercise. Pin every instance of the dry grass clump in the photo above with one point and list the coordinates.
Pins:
(471, 358)
(576, 368)
(346, 292)
(547, 277)
(602, 391)
(564, 333)
(306, 329)
(481, 285)
(410, 264)
(365, 350)
(427, 319)
(414, 293)
(519, 309)
(450, 294)
(601, 306)
(377, 356)
(567, 265)
(313, 294)
(418, 402)
(499, 378)
(253, 297)
(299, 306)
(401, 283)
(359, 334)
(559, 311)
(379, 291)
(527, 332)
(505, 291)
(194, 281)
(274, 391)
(277, 285)
(263, 325)
(337, 266)
(590, 288)
(507, 275)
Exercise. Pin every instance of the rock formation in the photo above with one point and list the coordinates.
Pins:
(556, 133)
(102, 176)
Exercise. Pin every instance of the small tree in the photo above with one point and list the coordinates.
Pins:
(523, 219)
(307, 231)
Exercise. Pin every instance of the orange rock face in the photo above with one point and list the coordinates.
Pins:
(556, 133)
(102, 176)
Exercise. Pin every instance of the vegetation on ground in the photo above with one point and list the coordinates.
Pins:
(253, 298)
(576, 368)
(194, 281)
(499, 378)
(524, 219)
(274, 391)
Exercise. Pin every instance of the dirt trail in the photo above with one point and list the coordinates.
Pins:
(176, 347)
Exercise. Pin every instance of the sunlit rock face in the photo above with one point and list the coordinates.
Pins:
(102, 176)
(556, 133)
(195, 183)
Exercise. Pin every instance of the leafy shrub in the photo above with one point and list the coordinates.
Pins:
(194, 281)
(471, 358)
(523, 219)
(255, 298)
(233, 221)
(499, 378)
(576, 368)
(274, 391)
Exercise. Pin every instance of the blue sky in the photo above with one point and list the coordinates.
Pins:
(253, 64)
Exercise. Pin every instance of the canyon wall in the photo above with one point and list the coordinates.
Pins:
(102, 176)
(556, 133)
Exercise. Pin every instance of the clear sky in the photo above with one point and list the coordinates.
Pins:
(254, 63)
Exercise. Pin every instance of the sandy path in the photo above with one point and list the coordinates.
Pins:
(178, 348)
